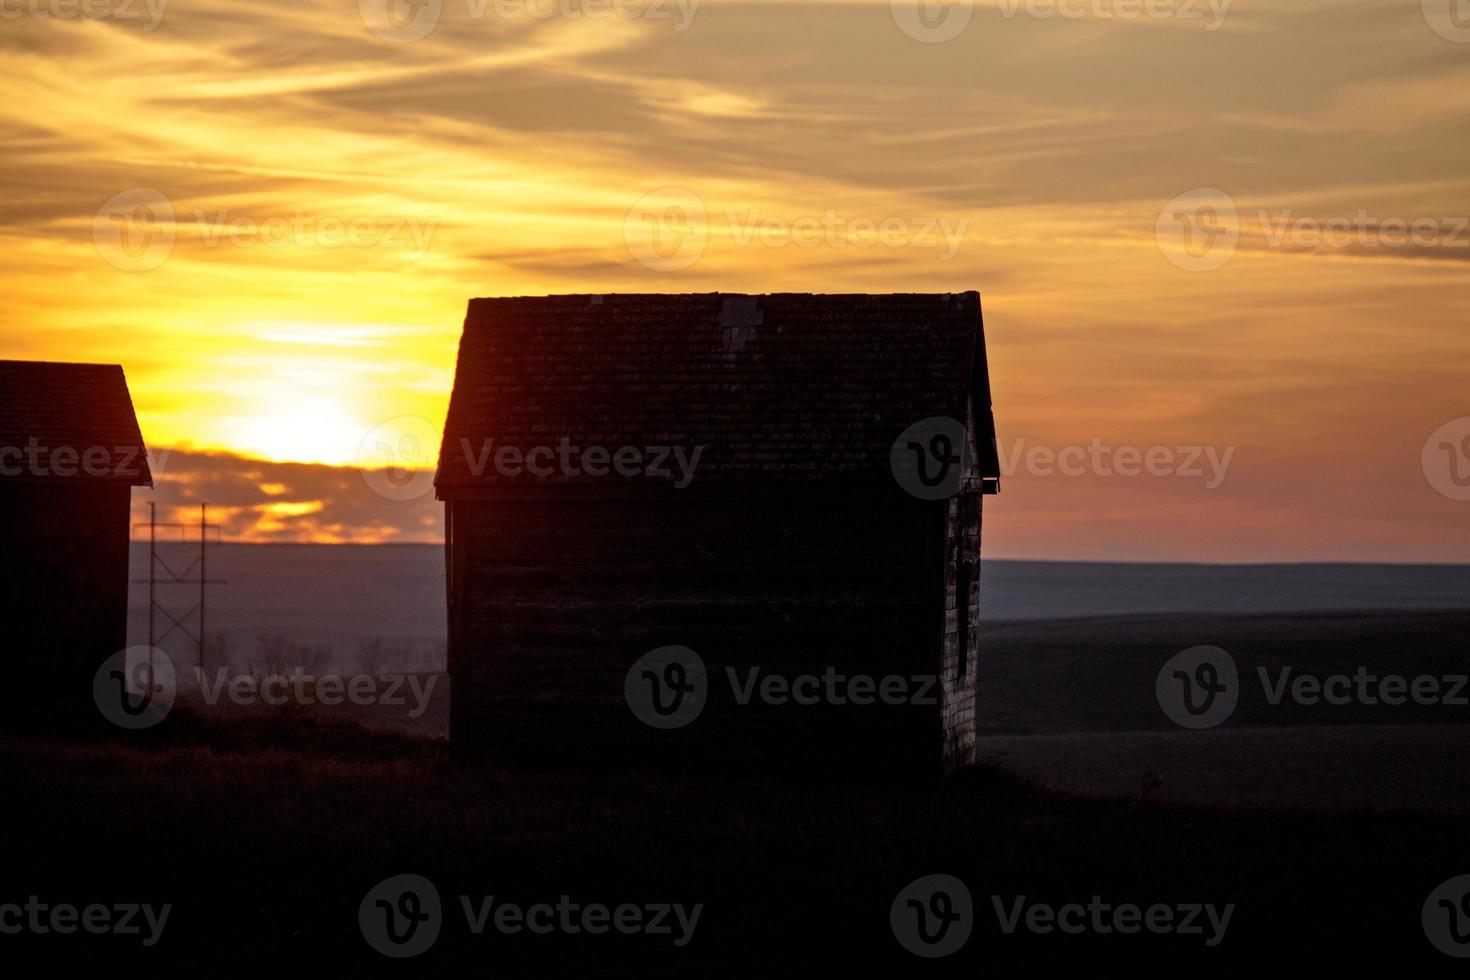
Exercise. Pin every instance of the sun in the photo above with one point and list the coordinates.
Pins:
(303, 429)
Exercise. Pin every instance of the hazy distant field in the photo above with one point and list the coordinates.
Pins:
(1072, 705)
(1069, 657)
(334, 601)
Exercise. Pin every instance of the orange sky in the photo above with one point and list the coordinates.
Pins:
(273, 218)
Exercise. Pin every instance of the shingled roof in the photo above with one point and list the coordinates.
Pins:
(785, 388)
(69, 422)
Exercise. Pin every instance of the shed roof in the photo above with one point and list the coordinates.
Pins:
(780, 389)
(69, 422)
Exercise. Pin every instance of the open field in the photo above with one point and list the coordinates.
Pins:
(1071, 704)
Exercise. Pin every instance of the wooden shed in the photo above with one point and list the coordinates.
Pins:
(633, 478)
(70, 454)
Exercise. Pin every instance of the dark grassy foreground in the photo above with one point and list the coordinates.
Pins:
(266, 835)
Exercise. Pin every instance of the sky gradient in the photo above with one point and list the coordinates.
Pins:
(273, 216)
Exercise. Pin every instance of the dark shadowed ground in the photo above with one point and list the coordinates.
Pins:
(266, 836)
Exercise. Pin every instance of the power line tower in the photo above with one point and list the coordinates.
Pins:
(182, 577)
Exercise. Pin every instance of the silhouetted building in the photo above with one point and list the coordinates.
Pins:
(70, 454)
(786, 487)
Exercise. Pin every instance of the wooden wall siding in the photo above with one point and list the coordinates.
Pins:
(552, 601)
(962, 550)
(63, 585)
